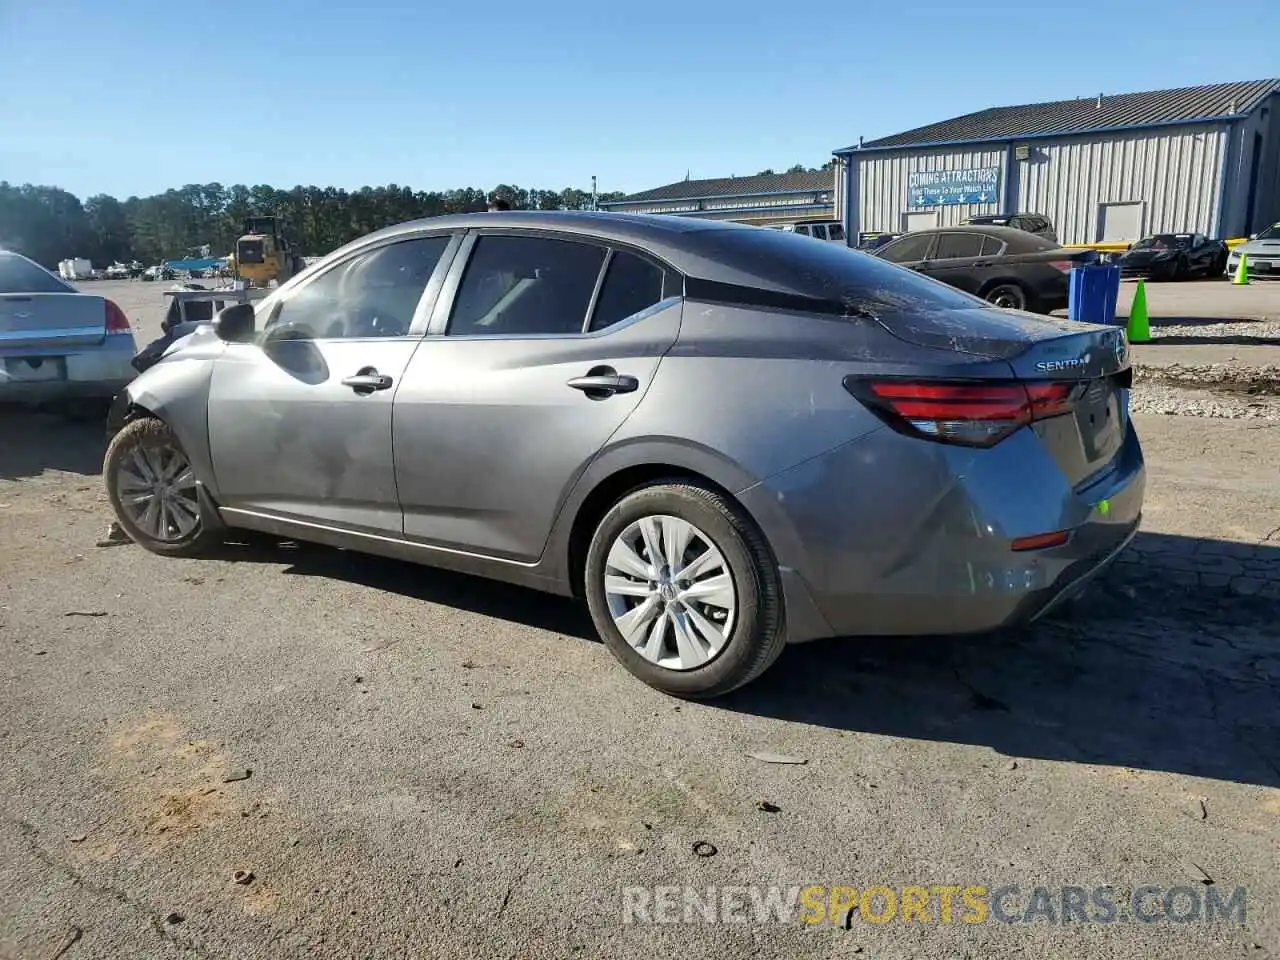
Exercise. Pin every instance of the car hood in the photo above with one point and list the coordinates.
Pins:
(194, 340)
(1259, 248)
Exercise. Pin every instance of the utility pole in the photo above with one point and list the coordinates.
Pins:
(593, 194)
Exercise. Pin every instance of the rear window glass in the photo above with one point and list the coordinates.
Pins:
(833, 272)
(19, 275)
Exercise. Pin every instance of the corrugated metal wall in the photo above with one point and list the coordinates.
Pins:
(1175, 173)
(882, 185)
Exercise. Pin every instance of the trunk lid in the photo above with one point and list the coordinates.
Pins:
(1093, 358)
(51, 321)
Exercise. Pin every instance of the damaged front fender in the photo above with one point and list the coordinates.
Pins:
(177, 392)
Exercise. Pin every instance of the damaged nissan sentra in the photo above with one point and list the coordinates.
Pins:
(722, 438)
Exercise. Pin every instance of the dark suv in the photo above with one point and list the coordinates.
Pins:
(1036, 223)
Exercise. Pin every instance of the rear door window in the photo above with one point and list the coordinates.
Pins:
(526, 286)
(19, 275)
(954, 246)
(835, 231)
(907, 248)
(631, 284)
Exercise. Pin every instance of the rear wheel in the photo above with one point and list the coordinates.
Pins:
(154, 493)
(1010, 296)
(684, 591)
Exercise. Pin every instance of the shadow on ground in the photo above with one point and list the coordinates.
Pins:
(32, 442)
(1158, 667)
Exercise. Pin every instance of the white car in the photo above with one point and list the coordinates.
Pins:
(59, 346)
(1263, 251)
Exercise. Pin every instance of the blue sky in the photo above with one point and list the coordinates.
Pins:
(108, 96)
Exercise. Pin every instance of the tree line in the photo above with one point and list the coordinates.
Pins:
(49, 224)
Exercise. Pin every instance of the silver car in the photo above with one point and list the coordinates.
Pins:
(1262, 251)
(723, 438)
(58, 345)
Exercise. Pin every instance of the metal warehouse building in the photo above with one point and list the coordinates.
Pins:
(1104, 169)
(762, 199)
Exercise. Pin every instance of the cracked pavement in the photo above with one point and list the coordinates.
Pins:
(443, 767)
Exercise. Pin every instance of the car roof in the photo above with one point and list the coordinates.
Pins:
(668, 238)
(1007, 234)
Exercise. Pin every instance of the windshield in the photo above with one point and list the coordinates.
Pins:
(1165, 241)
(20, 275)
(1271, 233)
(789, 263)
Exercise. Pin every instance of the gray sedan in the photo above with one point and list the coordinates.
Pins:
(722, 438)
(58, 345)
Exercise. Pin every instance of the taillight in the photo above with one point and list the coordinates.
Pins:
(1064, 265)
(974, 414)
(117, 322)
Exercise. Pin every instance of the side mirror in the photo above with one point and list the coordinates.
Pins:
(235, 324)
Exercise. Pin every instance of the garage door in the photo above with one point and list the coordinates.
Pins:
(919, 221)
(1120, 222)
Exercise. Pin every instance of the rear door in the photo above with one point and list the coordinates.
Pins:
(954, 260)
(40, 314)
(909, 251)
(300, 422)
(544, 350)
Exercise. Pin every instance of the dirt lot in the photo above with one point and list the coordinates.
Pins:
(442, 767)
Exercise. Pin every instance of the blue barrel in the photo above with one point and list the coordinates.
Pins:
(1092, 292)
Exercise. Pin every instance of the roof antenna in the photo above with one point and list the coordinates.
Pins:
(1099, 101)
(859, 141)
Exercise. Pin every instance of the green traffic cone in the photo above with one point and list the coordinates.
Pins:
(1139, 327)
(1242, 271)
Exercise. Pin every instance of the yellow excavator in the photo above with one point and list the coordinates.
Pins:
(263, 253)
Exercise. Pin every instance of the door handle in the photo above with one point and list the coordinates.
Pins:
(605, 382)
(367, 380)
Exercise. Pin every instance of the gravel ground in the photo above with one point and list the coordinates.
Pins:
(1188, 402)
(414, 764)
(1229, 331)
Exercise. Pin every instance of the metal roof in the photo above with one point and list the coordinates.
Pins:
(757, 186)
(1218, 101)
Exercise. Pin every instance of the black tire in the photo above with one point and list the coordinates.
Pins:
(1010, 296)
(758, 635)
(155, 434)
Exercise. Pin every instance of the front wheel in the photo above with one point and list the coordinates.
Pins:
(1009, 296)
(154, 492)
(684, 590)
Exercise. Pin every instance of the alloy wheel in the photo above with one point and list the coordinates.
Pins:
(670, 592)
(1007, 299)
(157, 489)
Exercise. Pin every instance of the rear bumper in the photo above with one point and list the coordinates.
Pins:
(894, 537)
(97, 372)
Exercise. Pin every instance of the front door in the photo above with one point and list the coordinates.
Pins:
(524, 384)
(300, 422)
